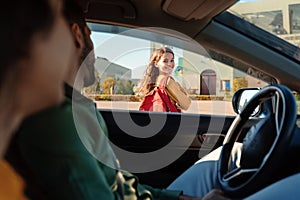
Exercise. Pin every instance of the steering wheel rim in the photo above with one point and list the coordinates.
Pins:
(241, 182)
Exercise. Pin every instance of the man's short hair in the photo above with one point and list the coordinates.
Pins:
(73, 13)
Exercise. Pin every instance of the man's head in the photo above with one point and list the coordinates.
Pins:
(85, 58)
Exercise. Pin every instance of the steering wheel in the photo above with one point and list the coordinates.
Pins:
(266, 148)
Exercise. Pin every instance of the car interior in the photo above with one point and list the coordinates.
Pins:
(207, 27)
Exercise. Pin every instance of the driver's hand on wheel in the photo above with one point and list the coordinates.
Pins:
(212, 195)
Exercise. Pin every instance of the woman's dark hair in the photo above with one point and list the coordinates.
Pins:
(152, 72)
(20, 21)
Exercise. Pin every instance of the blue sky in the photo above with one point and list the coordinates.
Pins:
(133, 54)
(125, 51)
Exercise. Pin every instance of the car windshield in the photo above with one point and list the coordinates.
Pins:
(280, 18)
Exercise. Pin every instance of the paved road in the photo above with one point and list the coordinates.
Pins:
(198, 107)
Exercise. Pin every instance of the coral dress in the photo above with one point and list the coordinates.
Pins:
(158, 100)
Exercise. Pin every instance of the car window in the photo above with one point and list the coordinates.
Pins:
(121, 63)
(280, 18)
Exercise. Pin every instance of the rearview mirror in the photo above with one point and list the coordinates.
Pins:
(242, 97)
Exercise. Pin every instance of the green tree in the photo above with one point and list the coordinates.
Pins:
(239, 83)
(108, 85)
(124, 87)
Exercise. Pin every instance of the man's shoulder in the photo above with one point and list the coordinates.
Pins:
(52, 120)
(52, 126)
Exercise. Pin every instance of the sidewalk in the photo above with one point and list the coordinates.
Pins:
(197, 107)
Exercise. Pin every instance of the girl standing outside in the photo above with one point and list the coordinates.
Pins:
(153, 86)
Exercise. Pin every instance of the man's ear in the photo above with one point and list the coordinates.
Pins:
(77, 35)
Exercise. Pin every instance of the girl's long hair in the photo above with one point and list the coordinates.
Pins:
(149, 81)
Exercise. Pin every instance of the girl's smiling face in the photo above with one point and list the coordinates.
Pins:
(166, 64)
